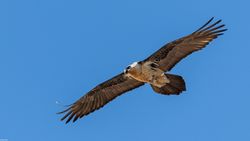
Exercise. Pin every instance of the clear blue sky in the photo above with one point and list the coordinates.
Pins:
(57, 50)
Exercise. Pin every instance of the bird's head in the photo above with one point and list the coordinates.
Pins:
(133, 67)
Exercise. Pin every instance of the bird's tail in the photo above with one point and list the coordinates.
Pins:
(174, 87)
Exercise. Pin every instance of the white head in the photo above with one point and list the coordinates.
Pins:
(133, 65)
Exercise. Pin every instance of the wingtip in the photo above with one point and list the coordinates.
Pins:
(58, 113)
(222, 32)
(75, 119)
(219, 31)
(68, 120)
(64, 111)
(207, 23)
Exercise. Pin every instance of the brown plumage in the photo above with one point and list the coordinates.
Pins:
(99, 96)
(170, 54)
(161, 61)
(175, 87)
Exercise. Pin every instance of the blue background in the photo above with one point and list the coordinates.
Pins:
(56, 50)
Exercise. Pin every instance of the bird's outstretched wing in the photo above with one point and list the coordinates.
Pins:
(170, 54)
(99, 96)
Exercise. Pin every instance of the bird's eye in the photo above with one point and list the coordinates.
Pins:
(128, 67)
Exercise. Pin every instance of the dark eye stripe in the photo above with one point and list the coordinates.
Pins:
(128, 67)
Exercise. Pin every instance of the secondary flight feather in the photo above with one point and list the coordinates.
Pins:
(151, 70)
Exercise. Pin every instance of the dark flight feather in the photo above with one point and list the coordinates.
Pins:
(99, 96)
(170, 54)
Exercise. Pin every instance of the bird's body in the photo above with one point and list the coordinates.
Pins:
(147, 72)
(151, 70)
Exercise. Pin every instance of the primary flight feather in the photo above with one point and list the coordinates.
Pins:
(151, 70)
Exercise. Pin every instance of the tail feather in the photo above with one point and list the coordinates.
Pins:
(175, 87)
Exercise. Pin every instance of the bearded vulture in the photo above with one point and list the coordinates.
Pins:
(151, 70)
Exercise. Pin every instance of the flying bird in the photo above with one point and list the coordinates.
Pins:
(153, 70)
